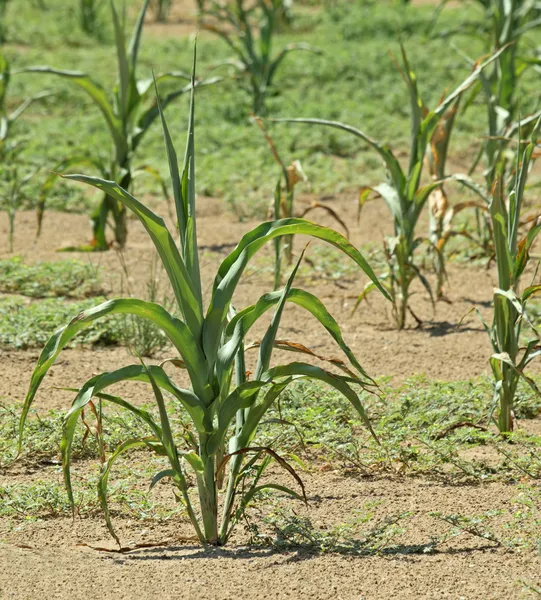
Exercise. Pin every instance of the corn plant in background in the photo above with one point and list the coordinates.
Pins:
(249, 28)
(404, 193)
(13, 174)
(210, 346)
(161, 9)
(441, 212)
(89, 16)
(510, 357)
(283, 202)
(128, 119)
(508, 22)
(3, 11)
(504, 26)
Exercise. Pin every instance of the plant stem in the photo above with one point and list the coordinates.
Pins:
(207, 493)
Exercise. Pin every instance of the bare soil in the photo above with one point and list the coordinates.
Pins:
(48, 559)
(44, 558)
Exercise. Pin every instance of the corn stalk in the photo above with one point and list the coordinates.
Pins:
(128, 118)
(249, 30)
(161, 9)
(210, 347)
(509, 358)
(403, 192)
(12, 178)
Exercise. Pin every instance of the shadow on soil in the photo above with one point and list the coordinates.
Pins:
(300, 553)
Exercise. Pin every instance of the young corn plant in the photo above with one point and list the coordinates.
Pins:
(161, 9)
(441, 212)
(128, 118)
(510, 358)
(283, 202)
(508, 22)
(3, 11)
(88, 16)
(403, 192)
(224, 403)
(12, 177)
(249, 28)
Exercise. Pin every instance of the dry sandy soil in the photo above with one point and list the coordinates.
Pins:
(43, 559)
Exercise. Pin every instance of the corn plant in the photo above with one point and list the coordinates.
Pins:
(161, 9)
(13, 176)
(404, 193)
(249, 29)
(3, 11)
(510, 358)
(508, 22)
(88, 16)
(283, 202)
(210, 348)
(128, 119)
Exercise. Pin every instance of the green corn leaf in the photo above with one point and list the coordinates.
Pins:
(267, 343)
(172, 160)
(98, 94)
(243, 396)
(467, 83)
(417, 114)
(104, 478)
(123, 67)
(305, 300)
(530, 291)
(135, 41)
(193, 460)
(161, 475)
(179, 277)
(256, 413)
(190, 254)
(233, 266)
(393, 166)
(176, 331)
(271, 486)
(193, 405)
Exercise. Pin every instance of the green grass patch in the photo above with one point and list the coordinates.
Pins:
(71, 278)
(25, 324)
(354, 81)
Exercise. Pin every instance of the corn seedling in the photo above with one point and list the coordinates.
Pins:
(509, 358)
(249, 28)
(128, 119)
(283, 203)
(210, 346)
(404, 193)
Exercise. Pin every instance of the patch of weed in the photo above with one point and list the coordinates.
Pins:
(71, 278)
